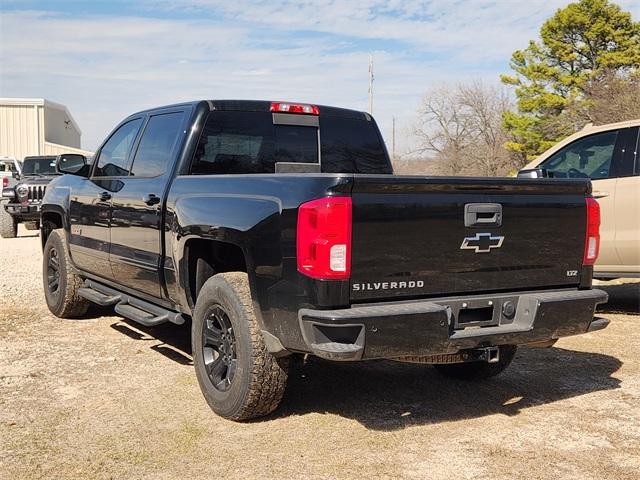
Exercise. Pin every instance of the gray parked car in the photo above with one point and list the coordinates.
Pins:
(21, 201)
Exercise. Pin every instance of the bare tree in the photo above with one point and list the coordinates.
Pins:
(460, 127)
(610, 98)
(443, 130)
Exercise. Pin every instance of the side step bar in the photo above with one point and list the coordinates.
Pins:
(129, 307)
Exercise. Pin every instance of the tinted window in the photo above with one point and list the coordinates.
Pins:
(249, 142)
(7, 167)
(296, 143)
(351, 146)
(588, 157)
(155, 148)
(39, 166)
(236, 142)
(113, 157)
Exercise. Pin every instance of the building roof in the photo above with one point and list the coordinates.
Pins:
(43, 102)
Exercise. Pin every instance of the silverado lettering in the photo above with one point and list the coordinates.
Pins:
(386, 285)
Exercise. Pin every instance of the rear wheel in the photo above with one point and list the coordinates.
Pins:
(479, 370)
(238, 377)
(60, 283)
(8, 224)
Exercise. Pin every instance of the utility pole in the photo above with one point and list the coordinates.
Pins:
(370, 84)
(393, 138)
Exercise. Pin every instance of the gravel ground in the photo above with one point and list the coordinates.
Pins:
(104, 398)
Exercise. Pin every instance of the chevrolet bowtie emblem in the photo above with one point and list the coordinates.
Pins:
(482, 242)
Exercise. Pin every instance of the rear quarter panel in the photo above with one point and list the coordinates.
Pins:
(257, 213)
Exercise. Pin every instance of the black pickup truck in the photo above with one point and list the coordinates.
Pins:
(278, 229)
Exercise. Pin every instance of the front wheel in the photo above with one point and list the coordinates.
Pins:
(238, 377)
(8, 224)
(61, 284)
(479, 370)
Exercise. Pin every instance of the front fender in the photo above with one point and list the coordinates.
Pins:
(55, 201)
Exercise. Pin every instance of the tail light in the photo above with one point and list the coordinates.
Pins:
(5, 182)
(324, 238)
(592, 241)
(283, 107)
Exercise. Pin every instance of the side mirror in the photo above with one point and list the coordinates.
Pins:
(533, 173)
(71, 163)
(15, 175)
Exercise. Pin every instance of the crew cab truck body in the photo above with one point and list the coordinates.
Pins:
(279, 229)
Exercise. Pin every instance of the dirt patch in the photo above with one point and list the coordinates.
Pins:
(105, 398)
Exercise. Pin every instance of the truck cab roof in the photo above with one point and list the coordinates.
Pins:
(261, 106)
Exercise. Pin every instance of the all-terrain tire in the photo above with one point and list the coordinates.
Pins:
(479, 370)
(259, 379)
(60, 283)
(8, 224)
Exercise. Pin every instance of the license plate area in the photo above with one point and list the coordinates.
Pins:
(481, 311)
(475, 316)
(475, 313)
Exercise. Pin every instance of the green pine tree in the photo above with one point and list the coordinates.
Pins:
(584, 42)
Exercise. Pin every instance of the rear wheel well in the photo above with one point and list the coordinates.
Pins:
(49, 222)
(205, 258)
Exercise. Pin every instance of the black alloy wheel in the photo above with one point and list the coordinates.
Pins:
(219, 349)
(53, 270)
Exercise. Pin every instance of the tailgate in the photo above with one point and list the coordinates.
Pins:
(410, 238)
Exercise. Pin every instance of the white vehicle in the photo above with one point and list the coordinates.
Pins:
(9, 166)
(610, 156)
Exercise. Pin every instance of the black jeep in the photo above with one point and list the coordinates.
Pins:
(22, 202)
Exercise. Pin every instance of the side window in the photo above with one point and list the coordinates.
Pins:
(7, 167)
(588, 157)
(158, 140)
(113, 157)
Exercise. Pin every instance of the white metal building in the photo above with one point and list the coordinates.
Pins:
(35, 126)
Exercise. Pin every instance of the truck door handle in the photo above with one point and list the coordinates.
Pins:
(151, 199)
(104, 196)
(599, 194)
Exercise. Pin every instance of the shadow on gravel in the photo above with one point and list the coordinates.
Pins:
(623, 298)
(175, 339)
(384, 395)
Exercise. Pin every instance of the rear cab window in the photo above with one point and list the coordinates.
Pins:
(239, 142)
(351, 145)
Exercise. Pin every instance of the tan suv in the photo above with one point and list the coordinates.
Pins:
(610, 156)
